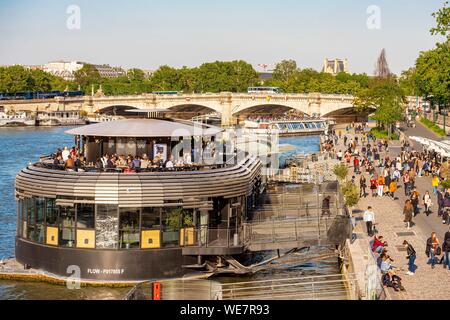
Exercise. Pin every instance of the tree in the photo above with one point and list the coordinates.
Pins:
(341, 171)
(443, 22)
(166, 79)
(387, 98)
(408, 82)
(88, 75)
(284, 70)
(433, 73)
(433, 66)
(351, 194)
(15, 79)
(136, 75)
(42, 81)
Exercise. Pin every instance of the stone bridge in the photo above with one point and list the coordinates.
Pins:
(229, 106)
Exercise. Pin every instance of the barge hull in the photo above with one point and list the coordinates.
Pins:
(104, 265)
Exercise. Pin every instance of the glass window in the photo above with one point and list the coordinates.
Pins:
(40, 211)
(107, 227)
(67, 226)
(20, 217)
(150, 219)
(121, 146)
(130, 147)
(129, 227)
(51, 214)
(85, 216)
(141, 147)
(109, 146)
(172, 220)
(30, 218)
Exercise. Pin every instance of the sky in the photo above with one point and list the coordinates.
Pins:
(149, 33)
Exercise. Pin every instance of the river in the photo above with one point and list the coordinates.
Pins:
(19, 146)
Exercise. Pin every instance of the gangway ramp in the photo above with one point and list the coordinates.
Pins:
(296, 233)
(326, 287)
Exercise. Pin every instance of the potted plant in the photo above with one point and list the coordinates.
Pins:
(126, 235)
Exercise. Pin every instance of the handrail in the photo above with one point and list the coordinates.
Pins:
(373, 274)
(318, 286)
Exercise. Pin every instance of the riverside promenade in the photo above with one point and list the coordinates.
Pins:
(427, 283)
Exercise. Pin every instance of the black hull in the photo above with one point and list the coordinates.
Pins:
(104, 265)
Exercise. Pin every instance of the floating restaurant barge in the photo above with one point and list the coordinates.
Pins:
(122, 226)
(296, 127)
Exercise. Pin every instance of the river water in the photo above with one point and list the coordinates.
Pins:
(19, 146)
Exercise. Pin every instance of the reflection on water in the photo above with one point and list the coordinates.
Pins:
(303, 145)
(19, 146)
(17, 290)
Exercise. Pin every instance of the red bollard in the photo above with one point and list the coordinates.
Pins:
(157, 291)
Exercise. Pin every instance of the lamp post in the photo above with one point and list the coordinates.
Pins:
(445, 113)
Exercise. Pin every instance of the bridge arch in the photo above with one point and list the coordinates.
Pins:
(190, 110)
(348, 115)
(270, 109)
(117, 110)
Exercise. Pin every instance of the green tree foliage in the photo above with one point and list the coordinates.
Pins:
(408, 82)
(387, 98)
(443, 22)
(341, 171)
(351, 194)
(433, 73)
(309, 80)
(433, 66)
(15, 79)
(284, 70)
(87, 76)
(18, 79)
(234, 76)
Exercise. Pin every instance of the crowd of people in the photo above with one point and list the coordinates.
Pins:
(284, 117)
(383, 174)
(390, 277)
(74, 160)
(387, 174)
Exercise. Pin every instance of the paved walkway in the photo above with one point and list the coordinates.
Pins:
(427, 283)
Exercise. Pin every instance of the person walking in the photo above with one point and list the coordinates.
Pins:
(393, 189)
(356, 165)
(432, 249)
(408, 213)
(440, 202)
(369, 219)
(406, 183)
(427, 203)
(435, 184)
(415, 201)
(326, 206)
(411, 256)
(446, 250)
(362, 186)
(380, 185)
(373, 185)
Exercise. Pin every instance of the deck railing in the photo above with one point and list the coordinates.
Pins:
(322, 287)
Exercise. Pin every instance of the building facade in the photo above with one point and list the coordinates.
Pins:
(334, 66)
(106, 71)
(63, 69)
